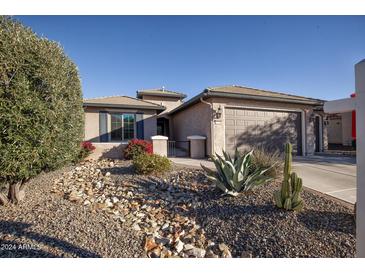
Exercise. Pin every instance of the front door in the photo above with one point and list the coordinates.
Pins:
(163, 127)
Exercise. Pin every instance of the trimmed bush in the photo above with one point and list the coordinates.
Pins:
(151, 164)
(41, 111)
(86, 149)
(136, 147)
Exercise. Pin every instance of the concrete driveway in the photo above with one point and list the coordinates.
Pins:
(335, 176)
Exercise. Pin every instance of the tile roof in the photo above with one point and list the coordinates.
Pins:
(236, 92)
(121, 101)
(160, 92)
(259, 92)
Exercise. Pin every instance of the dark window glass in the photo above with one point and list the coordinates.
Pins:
(117, 127)
(122, 126)
(128, 129)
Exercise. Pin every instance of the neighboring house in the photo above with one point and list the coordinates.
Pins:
(228, 116)
(341, 128)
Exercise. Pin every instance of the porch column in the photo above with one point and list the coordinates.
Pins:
(159, 143)
(360, 154)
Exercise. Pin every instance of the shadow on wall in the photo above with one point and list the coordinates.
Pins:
(21, 230)
(115, 152)
(149, 126)
(272, 135)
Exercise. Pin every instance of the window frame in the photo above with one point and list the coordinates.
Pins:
(123, 139)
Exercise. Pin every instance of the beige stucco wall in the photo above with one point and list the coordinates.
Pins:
(92, 122)
(334, 127)
(346, 128)
(150, 124)
(195, 120)
(168, 102)
(160, 145)
(91, 132)
(219, 125)
(108, 150)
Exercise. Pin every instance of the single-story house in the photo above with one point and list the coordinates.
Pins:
(228, 116)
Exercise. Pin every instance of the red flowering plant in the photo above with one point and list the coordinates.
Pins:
(86, 149)
(136, 147)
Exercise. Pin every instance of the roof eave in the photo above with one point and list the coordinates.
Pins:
(188, 103)
(211, 93)
(89, 104)
(141, 93)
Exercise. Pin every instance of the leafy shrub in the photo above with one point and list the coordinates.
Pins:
(288, 197)
(262, 158)
(136, 147)
(86, 149)
(40, 106)
(151, 164)
(236, 174)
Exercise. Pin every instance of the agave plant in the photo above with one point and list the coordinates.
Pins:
(235, 174)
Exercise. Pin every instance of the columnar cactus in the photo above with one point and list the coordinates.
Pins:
(289, 195)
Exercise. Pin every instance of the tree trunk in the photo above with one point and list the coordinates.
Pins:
(16, 192)
(3, 199)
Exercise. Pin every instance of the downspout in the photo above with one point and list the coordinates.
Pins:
(211, 125)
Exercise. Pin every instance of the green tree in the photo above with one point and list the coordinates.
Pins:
(41, 115)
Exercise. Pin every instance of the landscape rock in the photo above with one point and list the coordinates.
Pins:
(179, 246)
(184, 215)
(225, 250)
(196, 252)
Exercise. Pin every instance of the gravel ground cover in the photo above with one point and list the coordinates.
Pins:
(103, 209)
(252, 226)
(47, 225)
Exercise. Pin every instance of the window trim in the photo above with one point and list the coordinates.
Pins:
(134, 126)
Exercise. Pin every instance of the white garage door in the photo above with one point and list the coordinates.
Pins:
(249, 128)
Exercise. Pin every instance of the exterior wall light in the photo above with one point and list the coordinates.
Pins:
(218, 113)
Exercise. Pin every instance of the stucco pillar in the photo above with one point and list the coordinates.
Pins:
(360, 154)
(310, 134)
(197, 146)
(159, 143)
(325, 133)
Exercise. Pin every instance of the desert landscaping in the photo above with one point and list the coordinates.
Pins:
(103, 209)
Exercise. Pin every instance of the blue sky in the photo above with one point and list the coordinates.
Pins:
(116, 55)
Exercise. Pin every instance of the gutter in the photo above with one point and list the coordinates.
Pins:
(263, 98)
(211, 125)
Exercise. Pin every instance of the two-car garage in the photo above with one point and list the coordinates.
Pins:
(233, 117)
(246, 128)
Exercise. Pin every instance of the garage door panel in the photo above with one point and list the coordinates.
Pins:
(247, 128)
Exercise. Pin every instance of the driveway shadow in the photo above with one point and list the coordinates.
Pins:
(19, 229)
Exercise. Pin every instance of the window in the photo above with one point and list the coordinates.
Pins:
(128, 128)
(122, 126)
